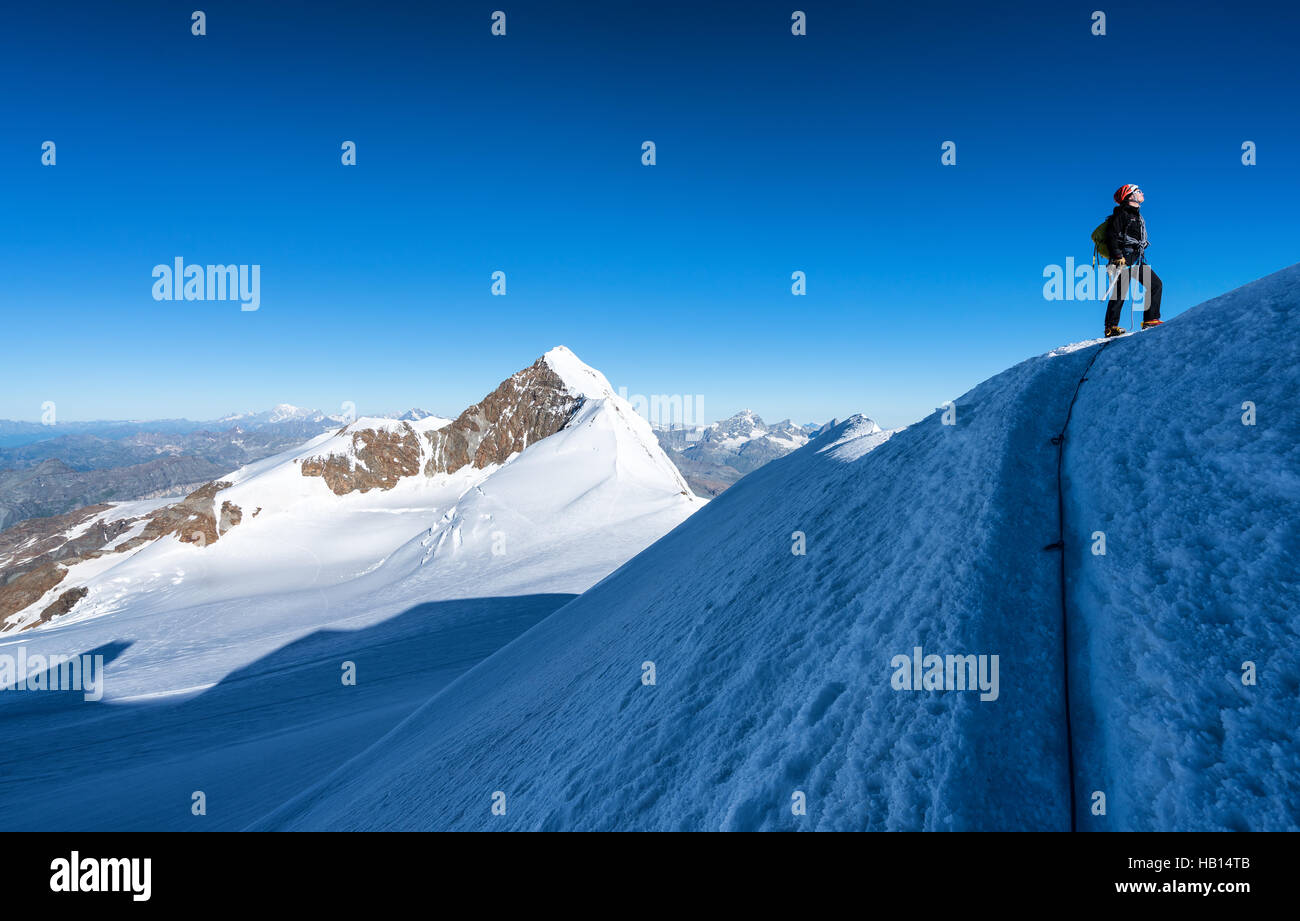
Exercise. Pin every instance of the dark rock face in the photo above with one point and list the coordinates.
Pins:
(191, 520)
(62, 605)
(385, 456)
(528, 406)
(35, 556)
(27, 587)
(43, 537)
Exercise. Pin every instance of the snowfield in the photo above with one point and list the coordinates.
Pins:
(772, 671)
(225, 660)
(1202, 567)
(630, 660)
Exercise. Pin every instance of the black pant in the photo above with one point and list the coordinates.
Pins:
(1145, 277)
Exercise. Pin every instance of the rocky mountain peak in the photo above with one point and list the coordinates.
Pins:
(526, 407)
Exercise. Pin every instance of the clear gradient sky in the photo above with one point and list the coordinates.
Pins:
(522, 153)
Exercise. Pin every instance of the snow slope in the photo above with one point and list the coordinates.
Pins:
(554, 518)
(256, 736)
(557, 516)
(425, 579)
(1202, 567)
(775, 672)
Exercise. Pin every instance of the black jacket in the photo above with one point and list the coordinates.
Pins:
(1126, 235)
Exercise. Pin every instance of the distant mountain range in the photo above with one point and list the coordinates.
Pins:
(551, 480)
(48, 470)
(51, 469)
(713, 457)
(95, 495)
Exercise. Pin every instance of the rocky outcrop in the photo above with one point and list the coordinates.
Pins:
(48, 537)
(62, 605)
(192, 520)
(379, 458)
(35, 555)
(27, 588)
(528, 406)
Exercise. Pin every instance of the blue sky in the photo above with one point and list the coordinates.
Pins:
(522, 153)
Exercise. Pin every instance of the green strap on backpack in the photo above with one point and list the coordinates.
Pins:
(1099, 247)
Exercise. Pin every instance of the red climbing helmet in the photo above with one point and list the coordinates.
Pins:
(1123, 192)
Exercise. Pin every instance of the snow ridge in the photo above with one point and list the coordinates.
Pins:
(773, 668)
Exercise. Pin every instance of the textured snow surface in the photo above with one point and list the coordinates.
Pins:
(249, 740)
(1202, 567)
(223, 662)
(773, 671)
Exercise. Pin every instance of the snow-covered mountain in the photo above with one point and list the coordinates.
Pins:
(407, 550)
(415, 414)
(720, 678)
(287, 412)
(550, 483)
(281, 412)
(712, 457)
